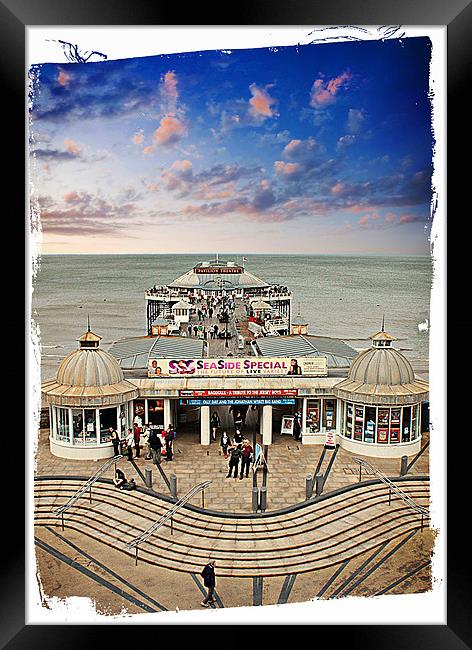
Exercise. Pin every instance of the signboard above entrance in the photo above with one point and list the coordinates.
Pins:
(274, 392)
(228, 401)
(239, 367)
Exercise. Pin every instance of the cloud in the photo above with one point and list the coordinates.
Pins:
(72, 147)
(323, 93)
(345, 141)
(63, 77)
(170, 131)
(287, 169)
(183, 167)
(355, 120)
(261, 103)
(138, 138)
(170, 85)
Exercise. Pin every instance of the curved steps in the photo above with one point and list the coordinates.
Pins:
(319, 535)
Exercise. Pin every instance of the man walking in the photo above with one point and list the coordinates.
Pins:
(115, 440)
(155, 445)
(208, 575)
(246, 458)
(234, 456)
(137, 440)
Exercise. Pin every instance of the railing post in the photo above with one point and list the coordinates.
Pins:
(389, 495)
(422, 516)
(255, 499)
(203, 498)
(90, 494)
(171, 525)
(62, 520)
(148, 477)
(173, 485)
(309, 486)
(136, 561)
(360, 472)
(263, 498)
(318, 484)
(404, 466)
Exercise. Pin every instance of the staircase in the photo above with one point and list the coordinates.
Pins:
(319, 535)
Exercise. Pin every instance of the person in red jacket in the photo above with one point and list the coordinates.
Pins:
(137, 435)
(246, 458)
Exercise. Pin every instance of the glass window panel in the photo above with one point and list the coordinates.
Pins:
(156, 412)
(370, 423)
(90, 427)
(123, 418)
(349, 419)
(77, 427)
(406, 424)
(107, 420)
(138, 412)
(62, 424)
(313, 415)
(395, 425)
(329, 414)
(383, 425)
(414, 422)
(358, 421)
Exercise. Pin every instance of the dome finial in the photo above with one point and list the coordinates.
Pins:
(88, 322)
(383, 323)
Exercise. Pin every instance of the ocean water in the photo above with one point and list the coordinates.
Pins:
(340, 296)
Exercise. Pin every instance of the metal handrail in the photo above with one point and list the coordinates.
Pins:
(384, 479)
(87, 485)
(134, 543)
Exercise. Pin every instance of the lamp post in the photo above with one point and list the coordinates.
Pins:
(226, 333)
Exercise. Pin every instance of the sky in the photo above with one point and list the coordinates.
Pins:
(308, 149)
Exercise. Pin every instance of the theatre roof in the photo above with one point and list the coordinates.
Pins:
(133, 353)
(338, 353)
(218, 275)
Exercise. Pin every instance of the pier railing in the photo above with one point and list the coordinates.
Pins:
(86, 486)
(392, 488)
(134, 543)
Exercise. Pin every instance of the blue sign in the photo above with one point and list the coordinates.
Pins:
(229, 401)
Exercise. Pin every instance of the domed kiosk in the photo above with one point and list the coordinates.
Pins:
(88, 396)
(381, 402)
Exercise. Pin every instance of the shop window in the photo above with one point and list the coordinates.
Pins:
(370, 423)
(349, 419)
(62, 424)
(138, 412)
(90, 427)
(77, 427)
(406, 424)
(329, 414)
(358, 422)
(123, 419)
(313, 416)
(107, 420)
(395, 425)
(156, 412)
(383, 425)
(414, 422)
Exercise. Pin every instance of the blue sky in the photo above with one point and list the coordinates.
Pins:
(321, 148)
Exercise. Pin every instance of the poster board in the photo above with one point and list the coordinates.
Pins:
(286, 426)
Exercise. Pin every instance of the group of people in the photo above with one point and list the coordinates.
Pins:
(220, 307)
(238, 449)
(157, 444)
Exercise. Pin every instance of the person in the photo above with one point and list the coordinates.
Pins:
(115, 438)
(153, 368)
(189, 329)
(137, 436)
(294, 368)
(144, 441)
(210, 312)
(155, 446)
(209, 580)
(169, 438)
(215, 424)
(195, 330)
(238, 420)
(234, 456)
(224, 443)
(128, 485)
(120, 478)
(244, 409)
(297, 425)
(130, 444)
(238, 437)
(246, 458)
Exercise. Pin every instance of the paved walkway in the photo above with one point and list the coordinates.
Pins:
(289, 462)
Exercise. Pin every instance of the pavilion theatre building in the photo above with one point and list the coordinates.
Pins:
(370, 403)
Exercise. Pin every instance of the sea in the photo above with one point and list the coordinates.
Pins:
(340, 296)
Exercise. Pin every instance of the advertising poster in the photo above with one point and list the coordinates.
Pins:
(239, 367)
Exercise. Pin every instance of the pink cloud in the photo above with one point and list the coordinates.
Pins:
(170, 131)
(286, 169)
(261, 103)
(72, 146)
(63, 78)
(389, 217)
(407, 218)
(337, 188)
(138, 138)
(324, 92)
(183, 166)
(170, 85)
(363, 220)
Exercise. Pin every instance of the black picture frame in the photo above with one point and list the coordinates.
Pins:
(15, 16)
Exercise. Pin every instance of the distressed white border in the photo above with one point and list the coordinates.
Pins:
(125, 42)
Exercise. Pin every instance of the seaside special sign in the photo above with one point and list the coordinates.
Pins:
(238, 367)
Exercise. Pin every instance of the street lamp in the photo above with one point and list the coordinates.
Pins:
(226, 333)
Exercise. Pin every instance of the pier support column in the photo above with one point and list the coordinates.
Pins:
(204, 425)
(168, 414)
(267, 424)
